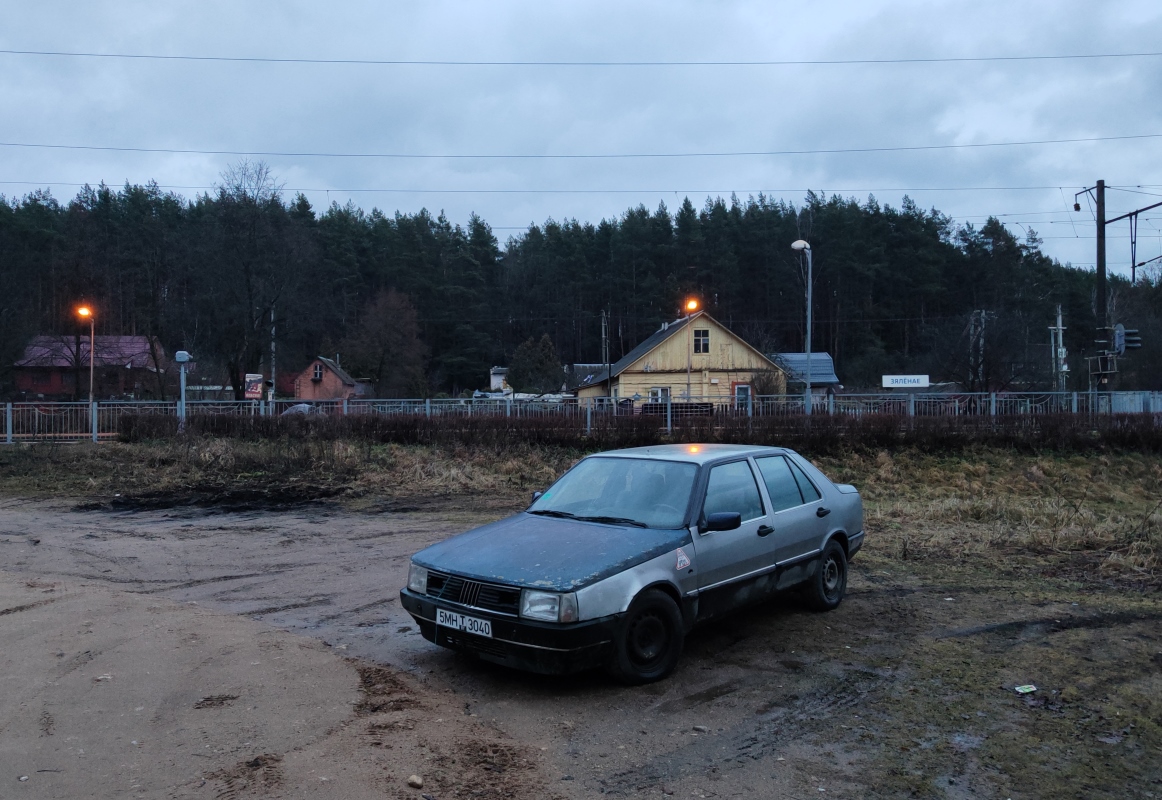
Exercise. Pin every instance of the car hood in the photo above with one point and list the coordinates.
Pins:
(548, 553)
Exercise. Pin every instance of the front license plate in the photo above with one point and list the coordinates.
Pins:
(450, 619)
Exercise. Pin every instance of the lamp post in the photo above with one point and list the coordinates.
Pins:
(803, 246)
(183, 358)
(84, 312)
(691, 307)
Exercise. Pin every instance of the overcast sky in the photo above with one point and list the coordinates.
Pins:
(450, 110)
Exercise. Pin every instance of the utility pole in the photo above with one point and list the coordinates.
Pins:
(271, 390)
(605, 348)
(1103, 321)
(1105, 363)
(1057, 343)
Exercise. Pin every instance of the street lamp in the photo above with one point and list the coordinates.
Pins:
(803, 246)
(84, 312)
(691, 307)
(183, 358)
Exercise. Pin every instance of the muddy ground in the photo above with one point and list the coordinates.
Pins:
(906, 690)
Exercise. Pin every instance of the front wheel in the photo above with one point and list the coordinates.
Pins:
(649, 640)
(826, 589)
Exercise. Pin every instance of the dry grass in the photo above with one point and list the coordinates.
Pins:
(1093, 516)
(1099, 513)
(354, 470)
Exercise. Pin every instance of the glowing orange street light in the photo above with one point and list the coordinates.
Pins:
(691, 307)
(84, 312)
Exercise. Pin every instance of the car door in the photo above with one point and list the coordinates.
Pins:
(725, 557)
(795, 507)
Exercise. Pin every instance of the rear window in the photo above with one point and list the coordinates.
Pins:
(782, 487)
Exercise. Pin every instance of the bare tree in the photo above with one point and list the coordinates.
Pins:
(250, 180)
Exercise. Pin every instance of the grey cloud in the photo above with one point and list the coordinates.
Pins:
(558, 109)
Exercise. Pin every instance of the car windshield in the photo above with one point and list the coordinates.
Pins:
(626, 491)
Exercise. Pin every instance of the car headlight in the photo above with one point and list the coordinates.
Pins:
(418, 579)
(548, 606)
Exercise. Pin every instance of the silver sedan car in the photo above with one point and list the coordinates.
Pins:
(616, 561)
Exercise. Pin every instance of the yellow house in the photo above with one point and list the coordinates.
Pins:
(694, 359)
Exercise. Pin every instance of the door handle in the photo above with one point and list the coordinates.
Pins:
(765, 530)
(822, 512)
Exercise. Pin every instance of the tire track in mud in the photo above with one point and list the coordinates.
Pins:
(357, 610)
(27, 606)
(835, 688)
(1048, 625)
(776, 727)
(204, 581)
(308, 603)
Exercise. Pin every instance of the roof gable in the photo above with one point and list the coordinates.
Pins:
(339, 371)
(649, 344)
(660, 336)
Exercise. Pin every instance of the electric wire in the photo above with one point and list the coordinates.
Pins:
(583, 156)
(578, 63)
(719, 192)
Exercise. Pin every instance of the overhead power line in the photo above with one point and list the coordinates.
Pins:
(584, 156)
(579, 63)
(647, 190)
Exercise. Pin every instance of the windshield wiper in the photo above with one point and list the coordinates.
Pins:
(615, 521)
(552, 513)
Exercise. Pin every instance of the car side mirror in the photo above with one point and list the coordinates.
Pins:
(537, 496)
(722, 521)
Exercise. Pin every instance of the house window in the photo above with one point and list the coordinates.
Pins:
(701, 341)
(318, 375)
(659, 394)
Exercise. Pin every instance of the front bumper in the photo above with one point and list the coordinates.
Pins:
(543, 647)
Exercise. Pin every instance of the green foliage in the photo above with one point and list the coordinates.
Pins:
(535, 367)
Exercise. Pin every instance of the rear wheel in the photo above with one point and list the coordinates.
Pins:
(826, 588)
(649, 640)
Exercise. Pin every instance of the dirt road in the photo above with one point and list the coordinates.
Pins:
(906, 690)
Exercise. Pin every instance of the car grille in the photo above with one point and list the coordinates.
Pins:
(475, 594)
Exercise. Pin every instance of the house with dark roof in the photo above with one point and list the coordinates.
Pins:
(57, 367)
(324, 379)
(695, 359)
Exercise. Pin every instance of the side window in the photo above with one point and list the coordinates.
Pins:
(810, 493)
(781, 484)
(732, 487)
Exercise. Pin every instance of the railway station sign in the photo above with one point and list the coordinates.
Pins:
(905, 381)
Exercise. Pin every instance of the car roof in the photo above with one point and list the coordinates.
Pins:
(694, 452)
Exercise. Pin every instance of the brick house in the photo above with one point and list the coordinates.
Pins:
(324, 379)
(57, 368)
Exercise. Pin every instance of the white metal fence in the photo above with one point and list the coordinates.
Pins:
(30, 422)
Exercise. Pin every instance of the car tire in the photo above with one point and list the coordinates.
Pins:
(825, 590)
(649, 639)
